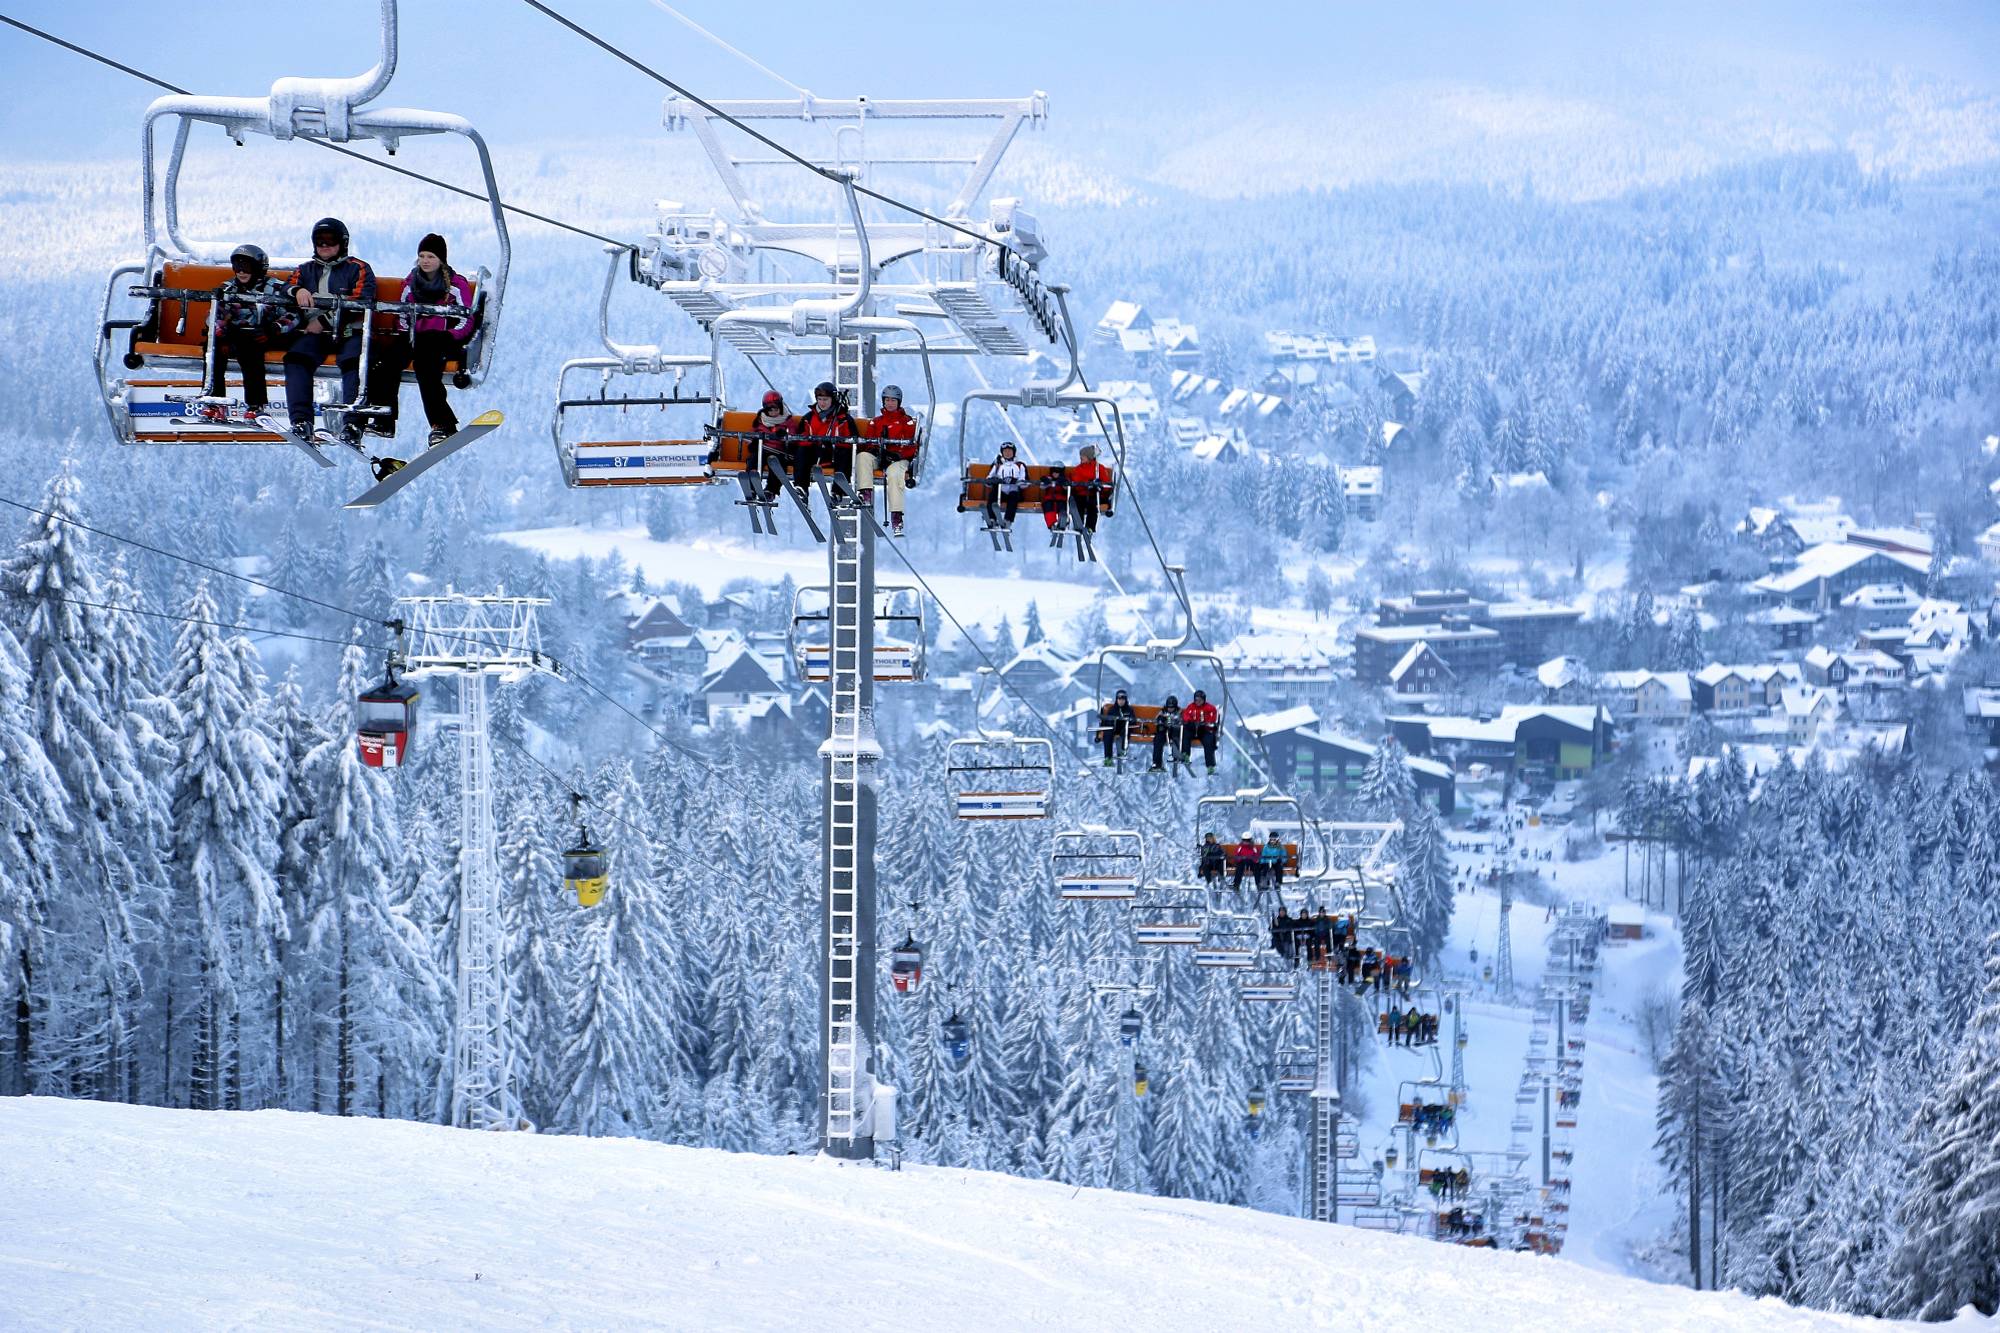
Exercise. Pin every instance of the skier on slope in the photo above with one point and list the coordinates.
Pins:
(245, 330)
(331, 272)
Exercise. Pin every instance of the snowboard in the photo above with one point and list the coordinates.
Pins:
(483, 424)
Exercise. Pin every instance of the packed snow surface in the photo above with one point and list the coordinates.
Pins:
(133, 1217)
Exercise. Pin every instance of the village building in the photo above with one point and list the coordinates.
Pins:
(1307, 757)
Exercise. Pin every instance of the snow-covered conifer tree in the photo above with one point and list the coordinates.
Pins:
(226, 914)
(1950, 1257)
(1387, 787)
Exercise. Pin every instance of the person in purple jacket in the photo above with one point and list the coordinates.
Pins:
(424, 341)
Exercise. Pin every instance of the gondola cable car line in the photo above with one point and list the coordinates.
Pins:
(556, 665)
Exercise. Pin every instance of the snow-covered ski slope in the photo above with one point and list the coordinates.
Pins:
(121, 1217)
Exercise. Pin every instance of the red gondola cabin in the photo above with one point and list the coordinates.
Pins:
(385, 722)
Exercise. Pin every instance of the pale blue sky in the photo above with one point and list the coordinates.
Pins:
(521, 78)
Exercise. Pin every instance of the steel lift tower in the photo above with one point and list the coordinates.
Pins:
(771, 284)
(1359, 879)
(474, 637)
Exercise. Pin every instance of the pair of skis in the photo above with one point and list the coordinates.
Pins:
(314, 445)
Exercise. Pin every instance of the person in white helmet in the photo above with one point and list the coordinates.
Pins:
(895, 439)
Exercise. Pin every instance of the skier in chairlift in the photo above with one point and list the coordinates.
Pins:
(424, 342)
(1166, 731)
(245, 330)
(820, 428)
(897, 432)
(1114, 723)
(331, 272)
(773, 428)
(1214, 862)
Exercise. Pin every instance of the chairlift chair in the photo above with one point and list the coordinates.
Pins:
(1172, 916)
(1170, 651)
(148, 385)
(666, 448)
(1049, 488)
(1295, 1069)
(998, 775)
(1256, 810)
(1268, 988)
(1096, 863)
(1233, 939)
(899, 633)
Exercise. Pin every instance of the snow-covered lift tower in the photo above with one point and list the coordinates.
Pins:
(770, 287)
(472, 637)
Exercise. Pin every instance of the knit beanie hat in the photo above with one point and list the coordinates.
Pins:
(435, 244)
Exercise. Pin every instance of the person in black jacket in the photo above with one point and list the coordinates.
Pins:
(1114, 725)
(1214, 861)
(1166, 730)
(245, 330)
(330, 272)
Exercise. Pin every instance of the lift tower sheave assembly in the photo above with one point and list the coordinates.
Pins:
(848, 290)
(471, 638)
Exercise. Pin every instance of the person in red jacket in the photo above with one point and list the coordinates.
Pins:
(773, 429)
(1199, 720)
(821, 432)
(1089, 480)
(1243, 857)
(896, 436)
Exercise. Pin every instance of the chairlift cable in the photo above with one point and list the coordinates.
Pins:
(740, 54)
(186, 560)
(1132, 492)
(824, 173)
(1033, 712)
(196, 620)
(399, 169)
(245, 578)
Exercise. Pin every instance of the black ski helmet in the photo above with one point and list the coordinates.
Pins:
(253, 258)
(333, 227)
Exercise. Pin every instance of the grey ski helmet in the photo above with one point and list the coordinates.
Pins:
(253, 258)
